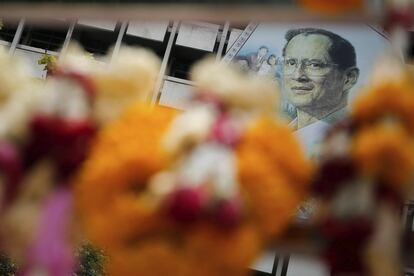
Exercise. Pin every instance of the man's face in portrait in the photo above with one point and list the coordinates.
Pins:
(311, 79)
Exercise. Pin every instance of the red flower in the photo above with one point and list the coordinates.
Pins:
(332, 175)
(227, 213)
(345, 241)
(225, 131)
(186, 204)
(84, 80)
(66, 142)
(10, 169)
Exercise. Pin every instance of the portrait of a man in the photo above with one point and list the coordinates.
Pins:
(319, 68)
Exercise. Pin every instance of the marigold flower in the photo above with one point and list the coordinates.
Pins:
(384, 152)
(121, 216)
(273, 172)
(393, 99)
(149, 257)
(332, 6)
(124, 156)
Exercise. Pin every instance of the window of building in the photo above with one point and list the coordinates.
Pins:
(96, 37)
(8, 30)
(151, 35)
(194, 41)
(50, 36)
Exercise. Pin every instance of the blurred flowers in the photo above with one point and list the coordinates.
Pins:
(391, 100)
(121, 161)
(52, 251)
(363, 185)
(274, 176)
(182, 186)
(45, 136)
(127, 79)
(332, 6)
(385, 152)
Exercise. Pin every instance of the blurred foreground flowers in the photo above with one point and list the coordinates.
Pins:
(211, 181)
(365, 175)
(161, 192)
(157, 190)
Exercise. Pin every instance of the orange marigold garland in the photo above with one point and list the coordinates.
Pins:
(161, 191)
(394, 98)
(270, 144)
(386, 152)
(384, 118)
(45, 134)
(332, 6)
(366, 172)
(120, 164)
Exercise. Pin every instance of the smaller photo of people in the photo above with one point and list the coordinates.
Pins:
(261, 61)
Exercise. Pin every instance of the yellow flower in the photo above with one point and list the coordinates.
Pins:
(332, 6)
(149, 257)
(119, 214)
(128, 79)
(274, 174)
(392, 99)
(384, 151)
(124, 156)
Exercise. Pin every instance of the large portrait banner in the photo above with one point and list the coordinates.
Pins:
(319, 69)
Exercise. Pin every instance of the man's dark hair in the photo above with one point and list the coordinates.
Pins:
(341, 51)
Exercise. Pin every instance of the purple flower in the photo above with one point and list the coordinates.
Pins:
(51, 251)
